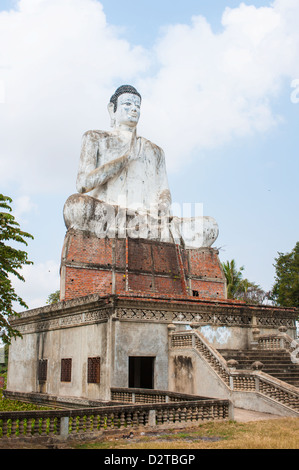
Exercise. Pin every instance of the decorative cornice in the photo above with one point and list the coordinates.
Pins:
(66, 321)
(75, 312)
(95, 308)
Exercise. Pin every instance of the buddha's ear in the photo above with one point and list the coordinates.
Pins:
(111, 113)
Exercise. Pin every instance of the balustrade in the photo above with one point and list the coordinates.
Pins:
(77, 422)
(237, 380)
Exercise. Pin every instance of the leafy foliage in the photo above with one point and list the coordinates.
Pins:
(54, 297)
(251, 293)
(233, 277)
(240, 288)
(11, 260)
(3, 366)
(15, 405)
(285, 291)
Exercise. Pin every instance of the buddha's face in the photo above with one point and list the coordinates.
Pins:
(128, 110)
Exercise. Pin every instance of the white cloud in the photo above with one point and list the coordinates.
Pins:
(23, 205)
(212, 87)
(61, 60)
(41, 280)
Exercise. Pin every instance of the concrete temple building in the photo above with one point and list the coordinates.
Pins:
(143, 296)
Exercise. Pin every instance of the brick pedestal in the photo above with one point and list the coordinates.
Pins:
(90, 265)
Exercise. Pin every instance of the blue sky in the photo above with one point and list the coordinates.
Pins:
(216, 80)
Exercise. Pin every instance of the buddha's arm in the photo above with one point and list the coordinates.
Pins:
(164, 202)
(99, 176)
(164, 195)
(90, 175)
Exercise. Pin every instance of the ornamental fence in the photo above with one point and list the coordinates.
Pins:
(177, 409)
(141, 395)
(280, 341)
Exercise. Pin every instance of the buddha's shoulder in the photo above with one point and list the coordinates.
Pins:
(150, 145)
(96, 134)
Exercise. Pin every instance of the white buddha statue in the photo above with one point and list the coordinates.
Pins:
(122, 182)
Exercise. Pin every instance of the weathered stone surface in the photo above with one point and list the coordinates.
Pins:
(232, 363)
(117, 327)
(257, 365)
(123, 187)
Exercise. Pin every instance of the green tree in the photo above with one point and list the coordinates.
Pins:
(233, 277)
(3, 365)
(54, 297)
(240, 288)
(285, 291)
(11, 260)
(251, 293)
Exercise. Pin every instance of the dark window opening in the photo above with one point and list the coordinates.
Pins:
(195, 293)
(66, 370)
(42, 370)
(141, 372)
(93, 370)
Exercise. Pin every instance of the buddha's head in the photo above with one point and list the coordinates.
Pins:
(124, 107)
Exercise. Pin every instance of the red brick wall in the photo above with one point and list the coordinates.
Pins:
(140, 282)
(88, 249)
(84, 281)
(171, 286)
(208, 289)
(107, 266)
(204, 263)
(140, 256)
(165, 259)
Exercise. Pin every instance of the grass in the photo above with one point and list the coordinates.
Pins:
(269, 434)
(13, 405)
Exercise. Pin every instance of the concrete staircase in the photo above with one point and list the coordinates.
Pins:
(276, 363)
(235, 374)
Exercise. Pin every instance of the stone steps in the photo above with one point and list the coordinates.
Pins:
(276, 363)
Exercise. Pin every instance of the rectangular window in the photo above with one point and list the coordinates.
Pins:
(66, 370)
(94, 369)
(42, 370)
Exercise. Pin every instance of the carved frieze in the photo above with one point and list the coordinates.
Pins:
(95, 310)
(274, 321)
(167, 316)
(67, 321)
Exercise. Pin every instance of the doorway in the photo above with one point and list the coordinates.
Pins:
(141, 372)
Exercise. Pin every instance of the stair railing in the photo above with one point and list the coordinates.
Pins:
(280, 341)
(195, 339)
(237, 380)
